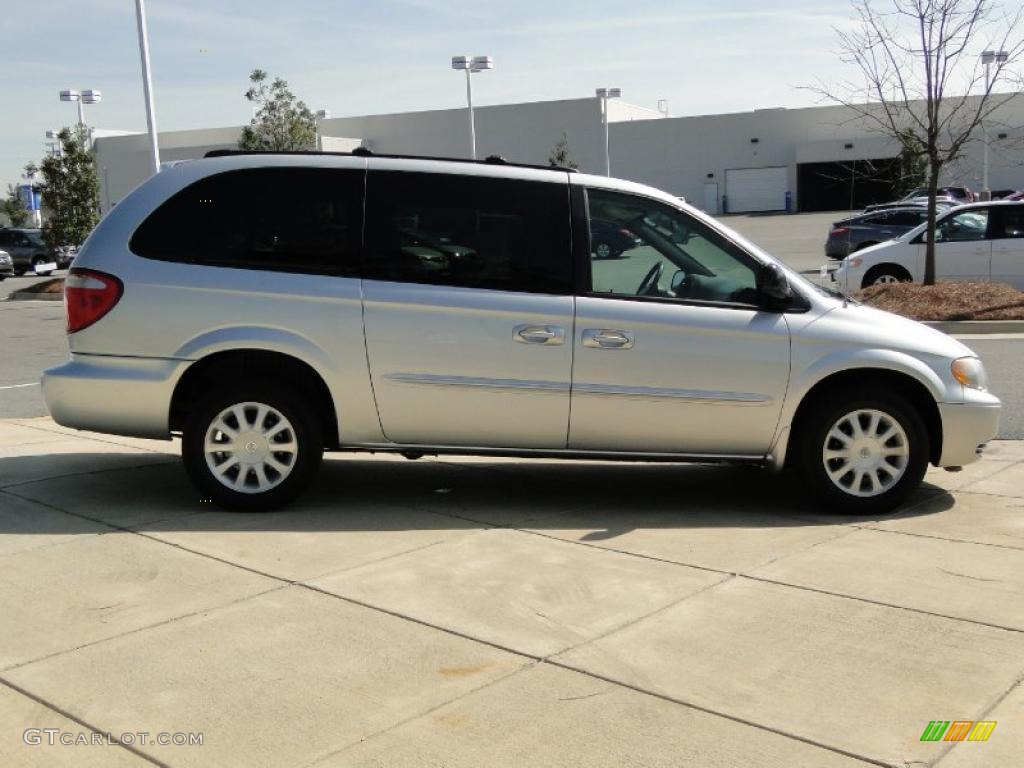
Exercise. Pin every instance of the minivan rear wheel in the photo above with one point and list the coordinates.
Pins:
(251, 448)
(863, 453)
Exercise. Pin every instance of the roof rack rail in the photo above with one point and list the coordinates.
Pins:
(366, 152)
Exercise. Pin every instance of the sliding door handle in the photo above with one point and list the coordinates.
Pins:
(603, 338)
(539, 334)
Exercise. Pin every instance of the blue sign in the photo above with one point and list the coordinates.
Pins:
(29, 196)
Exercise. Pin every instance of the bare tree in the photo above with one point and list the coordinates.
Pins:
(924, 83)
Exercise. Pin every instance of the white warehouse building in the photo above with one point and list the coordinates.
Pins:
(809, 159)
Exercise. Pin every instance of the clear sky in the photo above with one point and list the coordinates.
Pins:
(373, 56)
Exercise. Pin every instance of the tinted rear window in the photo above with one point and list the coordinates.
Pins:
(469, 231)
(286, 219)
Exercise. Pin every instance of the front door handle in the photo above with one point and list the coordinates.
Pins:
(603, 338)
(551, 335)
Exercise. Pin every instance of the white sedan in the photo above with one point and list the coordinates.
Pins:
(978, 242)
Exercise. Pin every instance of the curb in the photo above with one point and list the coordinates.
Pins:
(976, 326)
(29, 296)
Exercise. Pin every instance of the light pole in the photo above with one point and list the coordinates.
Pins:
(147, 86)
(988, 58)
(604, 94)
(471, 66)
(321, 114)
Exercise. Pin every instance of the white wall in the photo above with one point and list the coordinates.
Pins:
(674, 154)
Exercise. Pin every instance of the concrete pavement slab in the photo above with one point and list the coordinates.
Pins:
(972, 473)
(1009, 482)
(19, 713)
(970, 517)
(547, 717)
(25, 525)
(694, 530)
(310, 539)
(48, 425)
(122, 497)
(489, 492)
(949, 578)
(848, 674)
(14, 433)
(535, 595)
(61, 597)
(282, 679)
(68, 456)
(1005, 745)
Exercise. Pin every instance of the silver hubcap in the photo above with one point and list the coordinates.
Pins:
(604, 250)
(886, 279)
(250, 447)
(866, 453)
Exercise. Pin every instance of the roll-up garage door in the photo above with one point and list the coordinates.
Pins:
(756, 189)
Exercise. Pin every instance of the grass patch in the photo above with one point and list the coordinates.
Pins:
(947, 301)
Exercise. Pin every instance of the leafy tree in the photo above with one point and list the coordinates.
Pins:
(920, 66)
(559, 156)
(71, 190)
(281, 123)
(14, 207)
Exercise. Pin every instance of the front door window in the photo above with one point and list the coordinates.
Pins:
(643, 248)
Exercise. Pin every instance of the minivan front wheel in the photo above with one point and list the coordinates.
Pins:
(251, 449)
(863, 454)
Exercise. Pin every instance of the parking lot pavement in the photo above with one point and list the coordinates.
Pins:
(468, 612)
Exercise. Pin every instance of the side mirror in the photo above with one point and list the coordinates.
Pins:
(773, 286)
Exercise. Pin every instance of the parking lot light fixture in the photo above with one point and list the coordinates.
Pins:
(471, 66)
(75, 96)
(988, 58)
(604, 94)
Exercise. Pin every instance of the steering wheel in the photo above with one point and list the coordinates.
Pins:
(650, 281)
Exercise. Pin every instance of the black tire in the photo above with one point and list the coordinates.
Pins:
(825, 412)
(303, 431)
(886, 273)
(605, 250)
(40, 260)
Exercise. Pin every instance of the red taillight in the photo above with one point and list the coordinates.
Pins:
(88, 296)
(839, 231)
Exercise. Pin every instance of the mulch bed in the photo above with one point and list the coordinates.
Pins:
(56, 285)
(947, 301)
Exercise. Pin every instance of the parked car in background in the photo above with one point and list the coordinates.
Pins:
(867, 229)
(960, 194)
(980, 241)
(27, 249)
(941, 204)
(610, 240)
(273, 328)
(1015, 196)
(1003, 194)
(6, 265)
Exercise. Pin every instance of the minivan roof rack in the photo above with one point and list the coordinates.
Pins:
(365, 152)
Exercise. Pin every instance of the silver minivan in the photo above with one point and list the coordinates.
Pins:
(268, 307)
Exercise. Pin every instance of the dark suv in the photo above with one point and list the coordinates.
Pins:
(27, 249)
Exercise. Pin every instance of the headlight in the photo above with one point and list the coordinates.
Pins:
(4, 258)
(854, 261)
(970, 372)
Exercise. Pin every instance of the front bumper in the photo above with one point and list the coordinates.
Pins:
(116, 395)
(966, 427)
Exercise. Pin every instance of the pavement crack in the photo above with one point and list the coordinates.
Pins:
(967, 576)
(84, 723)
